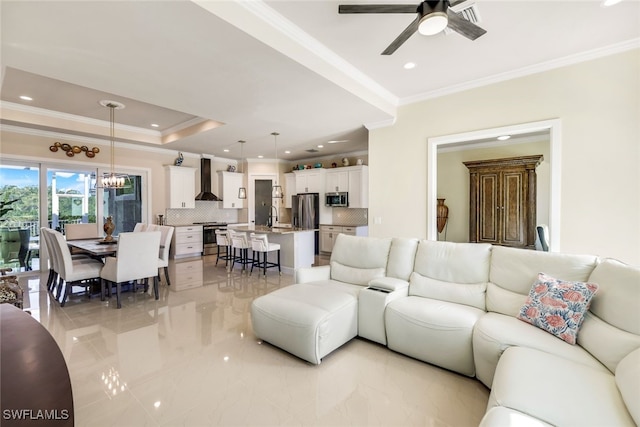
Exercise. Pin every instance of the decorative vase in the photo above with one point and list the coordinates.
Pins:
(442, 214)
(108, 228)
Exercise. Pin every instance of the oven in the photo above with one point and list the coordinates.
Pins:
(210, 245)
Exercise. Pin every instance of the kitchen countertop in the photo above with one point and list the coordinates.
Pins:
(345, 225)
(273, 230)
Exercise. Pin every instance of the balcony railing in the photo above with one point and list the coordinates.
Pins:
(34, 226)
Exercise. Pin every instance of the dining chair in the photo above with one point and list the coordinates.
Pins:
(136, 258)
(166, 233)
(141, 226)
(240, 242)
(81, 231)
(47, 245)
(260, 245)
(84, 272)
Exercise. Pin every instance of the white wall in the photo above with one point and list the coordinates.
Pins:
(598, 104)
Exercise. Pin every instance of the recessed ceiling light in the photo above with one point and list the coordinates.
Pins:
(607, 3)
(503, 137)
(287, 152)
(409, 66)
(226, 150)
(320, 146)
(155, 125)
(26, 98)
(260, 156)
(336, 141)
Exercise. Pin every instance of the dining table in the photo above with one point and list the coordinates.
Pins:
(95, 247)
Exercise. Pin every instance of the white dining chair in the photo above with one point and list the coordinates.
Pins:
(82, 231)
(140, 226)
(260, 245)
(136, 258)
(166, 233)
(47, 246)
(84, 272)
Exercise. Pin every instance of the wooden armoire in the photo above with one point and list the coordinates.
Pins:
(502, 202)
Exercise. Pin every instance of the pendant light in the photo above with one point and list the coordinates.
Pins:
(276, 191)
(113, 180)
(242, 191)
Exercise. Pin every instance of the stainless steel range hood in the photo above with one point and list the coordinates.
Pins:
(205, 182)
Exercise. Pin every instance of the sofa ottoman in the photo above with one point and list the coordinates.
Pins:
(306, 320)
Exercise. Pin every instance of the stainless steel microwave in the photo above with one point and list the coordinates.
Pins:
(339, 199)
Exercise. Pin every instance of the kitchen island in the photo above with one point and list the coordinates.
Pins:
(297, 246)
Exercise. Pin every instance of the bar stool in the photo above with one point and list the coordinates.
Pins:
(260, 245)
(239, 241)
(223, 241)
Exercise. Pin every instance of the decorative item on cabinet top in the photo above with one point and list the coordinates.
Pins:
(179, 160)
(73, 150)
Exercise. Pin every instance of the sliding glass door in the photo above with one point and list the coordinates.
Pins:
(124, 205)
(71, 197)
(19, 216)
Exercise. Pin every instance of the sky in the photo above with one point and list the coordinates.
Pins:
(22, 177)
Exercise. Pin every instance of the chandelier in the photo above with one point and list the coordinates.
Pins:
(111, 179)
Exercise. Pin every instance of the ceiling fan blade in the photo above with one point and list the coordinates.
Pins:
(377, 8)
(454, 3)
(464, 27)
(403, 37)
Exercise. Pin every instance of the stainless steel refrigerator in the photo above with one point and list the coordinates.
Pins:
(305, 214)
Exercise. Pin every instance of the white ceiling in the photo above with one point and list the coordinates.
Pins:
(296, 67)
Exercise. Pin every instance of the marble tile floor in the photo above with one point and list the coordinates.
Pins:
(191, 359)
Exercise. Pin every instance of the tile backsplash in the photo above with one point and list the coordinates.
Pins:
(205, 211)
(350, 216)
(211, 212)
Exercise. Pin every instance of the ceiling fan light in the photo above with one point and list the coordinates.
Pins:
(433, 23)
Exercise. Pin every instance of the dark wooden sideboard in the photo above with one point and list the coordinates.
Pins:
(35, 388)
(502, 201)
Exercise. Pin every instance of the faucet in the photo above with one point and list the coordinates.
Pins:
(271, 216)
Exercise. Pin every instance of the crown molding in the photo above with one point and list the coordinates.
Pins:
(380, 124)
(526, 71)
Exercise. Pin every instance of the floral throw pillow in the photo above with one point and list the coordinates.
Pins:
(558, 306)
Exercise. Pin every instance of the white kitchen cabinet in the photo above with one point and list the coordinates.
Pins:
(310, 181)
(352, 179)
(289, 188)
(181, 187)
(356, 230)
(329, 234)
(337, 180)
(187, 241)
(228, 185)
(359, 186)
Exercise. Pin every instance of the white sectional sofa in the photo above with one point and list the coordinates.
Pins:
(457, 305)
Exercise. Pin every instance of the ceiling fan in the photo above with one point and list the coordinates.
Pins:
(432, 18)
